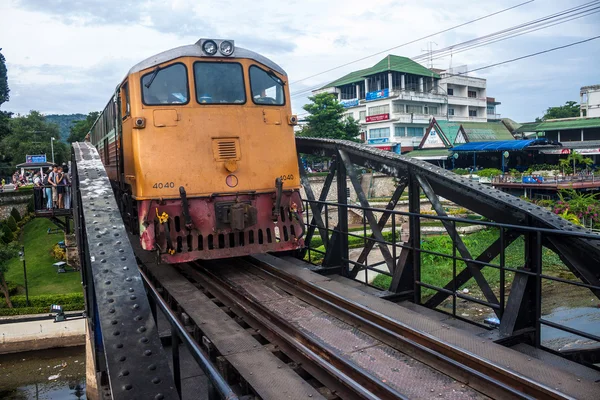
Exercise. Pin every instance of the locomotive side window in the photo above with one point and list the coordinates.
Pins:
(266, 87)
(219, 83)
(167, 85)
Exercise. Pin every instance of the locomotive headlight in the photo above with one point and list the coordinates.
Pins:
(226, 48)
(210, 47)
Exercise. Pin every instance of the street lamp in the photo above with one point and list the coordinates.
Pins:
(22, 257)
(52, 146)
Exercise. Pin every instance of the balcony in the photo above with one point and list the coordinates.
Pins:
(494, 116)
(466, 118)
(467, 101)
(414, 118)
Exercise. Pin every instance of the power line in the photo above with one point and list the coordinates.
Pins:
(529, 55)
(518, 30)
(413, 41)
(521, 57)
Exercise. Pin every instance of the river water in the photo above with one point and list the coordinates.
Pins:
(57, 374)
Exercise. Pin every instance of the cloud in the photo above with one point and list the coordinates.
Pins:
(87, 46)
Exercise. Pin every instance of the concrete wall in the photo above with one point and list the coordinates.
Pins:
(381, 186)
(8, 200)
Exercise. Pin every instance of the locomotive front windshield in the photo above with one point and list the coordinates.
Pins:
(168, 85)
(266, 87)
(220, 83)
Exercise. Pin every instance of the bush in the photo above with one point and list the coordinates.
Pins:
(7, 234)
(489, 172)
(30, 205)
(38, 310)
(461, 171)
(48, 299)
(15, 214)
(59, 253)
(12, 224)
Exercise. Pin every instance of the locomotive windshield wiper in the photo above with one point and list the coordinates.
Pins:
(275, 77)
(154, 73)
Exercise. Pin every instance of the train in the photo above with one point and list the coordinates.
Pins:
(198, 143)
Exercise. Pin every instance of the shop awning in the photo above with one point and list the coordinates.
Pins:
(499, 145)
(429, 154)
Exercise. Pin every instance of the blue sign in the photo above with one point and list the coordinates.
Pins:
(379, 140)
(35, 159)
(349, 103)
(378, 94)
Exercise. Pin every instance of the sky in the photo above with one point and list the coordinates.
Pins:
(67, 56)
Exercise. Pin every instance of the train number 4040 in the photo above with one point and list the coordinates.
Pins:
(165, 185)
(287, 177)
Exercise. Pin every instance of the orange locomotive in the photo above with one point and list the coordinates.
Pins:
(199, 144)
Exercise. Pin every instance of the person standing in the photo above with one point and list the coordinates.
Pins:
(38, 192)
(48, 188)
(52, 181)
(60, 187)
(67, 180)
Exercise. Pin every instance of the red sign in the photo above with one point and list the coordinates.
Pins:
(378, 117)
(388, 148)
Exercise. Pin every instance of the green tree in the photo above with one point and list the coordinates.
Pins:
(81, 128)
(31, 134)
(6, 253)
(326, 119)
(575, 159)
(4, 90)
(15, 214)
(569, 110)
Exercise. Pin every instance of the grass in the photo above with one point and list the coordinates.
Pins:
(42, 278)
(437, 270)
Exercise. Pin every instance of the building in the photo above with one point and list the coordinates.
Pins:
(396, 99)
(442, 137)
(590, 101)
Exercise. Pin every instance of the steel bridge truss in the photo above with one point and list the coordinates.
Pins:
(519, 312)
(121, 301)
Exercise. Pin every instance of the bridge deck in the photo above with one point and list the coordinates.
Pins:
(576, 382)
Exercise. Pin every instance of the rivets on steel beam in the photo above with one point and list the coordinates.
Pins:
(124, 372)
(152, 367)
(142, 329)
(147, 352)
(156, 380)
(137, 318)
(144, 340)
(127, 387)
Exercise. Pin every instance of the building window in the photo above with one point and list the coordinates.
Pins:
(399, 131)
(472, 113)
(430, 110)
(451, 111)
(450, 92)
(414, 109)
(472, 94)
(347, 116)
(361, 89)
(362, 115)
(398, 107)
(379, 110)
(412, 82)
(490, 110)
(379, 133)
(396, 81)
(414, 132)
(348, 92)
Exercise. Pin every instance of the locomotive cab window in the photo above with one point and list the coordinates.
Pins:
(266, 87)
(219, 83)
(167, 85)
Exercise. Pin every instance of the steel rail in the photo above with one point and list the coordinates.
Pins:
(209, 369)
(446, 356)
(346, 379)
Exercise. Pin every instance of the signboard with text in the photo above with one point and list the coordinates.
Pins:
(40, 158)
(378, 117)
(587, 151)
(378, 94)
(388, 148)
(556, 151)
(349, 103)
(378, 141)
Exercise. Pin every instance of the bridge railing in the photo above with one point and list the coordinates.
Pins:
(504, 275)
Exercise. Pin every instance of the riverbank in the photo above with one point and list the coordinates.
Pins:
(50, 374)
(27, 335)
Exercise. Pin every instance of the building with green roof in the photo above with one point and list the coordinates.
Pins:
(396, 98)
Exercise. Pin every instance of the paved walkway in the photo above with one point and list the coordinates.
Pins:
(44, 334)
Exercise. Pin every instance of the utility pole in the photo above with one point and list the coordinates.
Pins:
(52, 146)
(22, 256)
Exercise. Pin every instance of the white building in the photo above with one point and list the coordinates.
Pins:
(590, 101)
(395, 100)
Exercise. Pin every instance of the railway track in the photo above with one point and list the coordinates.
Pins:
(342, 348)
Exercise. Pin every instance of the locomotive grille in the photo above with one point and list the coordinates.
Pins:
(226, 149)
